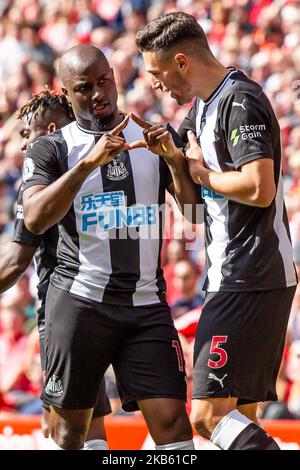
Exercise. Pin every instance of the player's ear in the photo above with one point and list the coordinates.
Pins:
(51, 127)
(182, 61)
(113, 75)
(65, 92)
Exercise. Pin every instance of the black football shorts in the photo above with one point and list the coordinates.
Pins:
(102, 406)
(239, 344)
(84, 337)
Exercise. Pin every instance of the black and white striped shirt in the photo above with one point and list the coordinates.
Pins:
(96, 257)
(247, 248)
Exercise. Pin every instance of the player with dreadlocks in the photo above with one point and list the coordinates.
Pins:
(48, 109)
(44, 113)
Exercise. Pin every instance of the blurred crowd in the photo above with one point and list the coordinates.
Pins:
(262, 38)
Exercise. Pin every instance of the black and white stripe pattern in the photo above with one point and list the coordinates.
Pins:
(248, 248)
(107, 265)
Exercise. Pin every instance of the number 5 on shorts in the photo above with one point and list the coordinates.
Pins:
(215, 349)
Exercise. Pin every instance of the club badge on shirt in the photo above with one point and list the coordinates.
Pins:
(117, 171)
(28, 169)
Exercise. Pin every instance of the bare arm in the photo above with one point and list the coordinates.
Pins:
(253, 185)
(14, 263)
(184, 190)
(45, 206)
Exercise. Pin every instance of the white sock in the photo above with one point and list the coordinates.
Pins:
(183, 445)
(95, 444)
(229, 428)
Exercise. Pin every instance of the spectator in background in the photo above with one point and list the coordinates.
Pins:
(11, 51)
(175, 251)
(4, 212)
(293, 333)
(56, 29)
(243, 33)
(87, 19)
(140, 101)
(103, 38)
(35, 49)
(20, 295)
(288, 385)
(121, 62)
(293, 375)
(16, 353)
(11, 165)
(185, 280)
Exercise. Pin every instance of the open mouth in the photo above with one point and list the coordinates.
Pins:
(99, 107)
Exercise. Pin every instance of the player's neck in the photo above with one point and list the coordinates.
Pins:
(215, 74)
(100, 127)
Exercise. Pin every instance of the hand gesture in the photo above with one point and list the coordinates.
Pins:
(110, 145)
(194, 157)
(157, 139)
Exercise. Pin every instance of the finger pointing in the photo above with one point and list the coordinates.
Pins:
(141, 122)
(120, 127)
(192, 138)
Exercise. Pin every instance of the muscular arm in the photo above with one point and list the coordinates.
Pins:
(251, 180)
(183, 188)
(45, 206)
(14, 263)
(254, 185)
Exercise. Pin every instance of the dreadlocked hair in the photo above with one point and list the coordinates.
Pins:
(45, 101)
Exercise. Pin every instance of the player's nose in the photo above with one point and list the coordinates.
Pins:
(156, 84)
(24, 145)
(98, 94)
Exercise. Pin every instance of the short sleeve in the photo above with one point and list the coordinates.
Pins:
(245, 122)
(21, 233)
(40, 163)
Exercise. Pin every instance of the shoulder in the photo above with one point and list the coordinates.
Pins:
(242, 91)
(42, 142)
(51, 145)
(61, 136)
(245, 102)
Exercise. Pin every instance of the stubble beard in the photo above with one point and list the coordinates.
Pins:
(104, 123)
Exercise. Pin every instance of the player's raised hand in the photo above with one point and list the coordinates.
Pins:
(157, 139)
(144, 125)
(110, 145)
(116, 131)
(194, 156)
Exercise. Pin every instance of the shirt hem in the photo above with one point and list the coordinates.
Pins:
(89, 296)
(26, 241)
(254, 288)
(250, 158)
